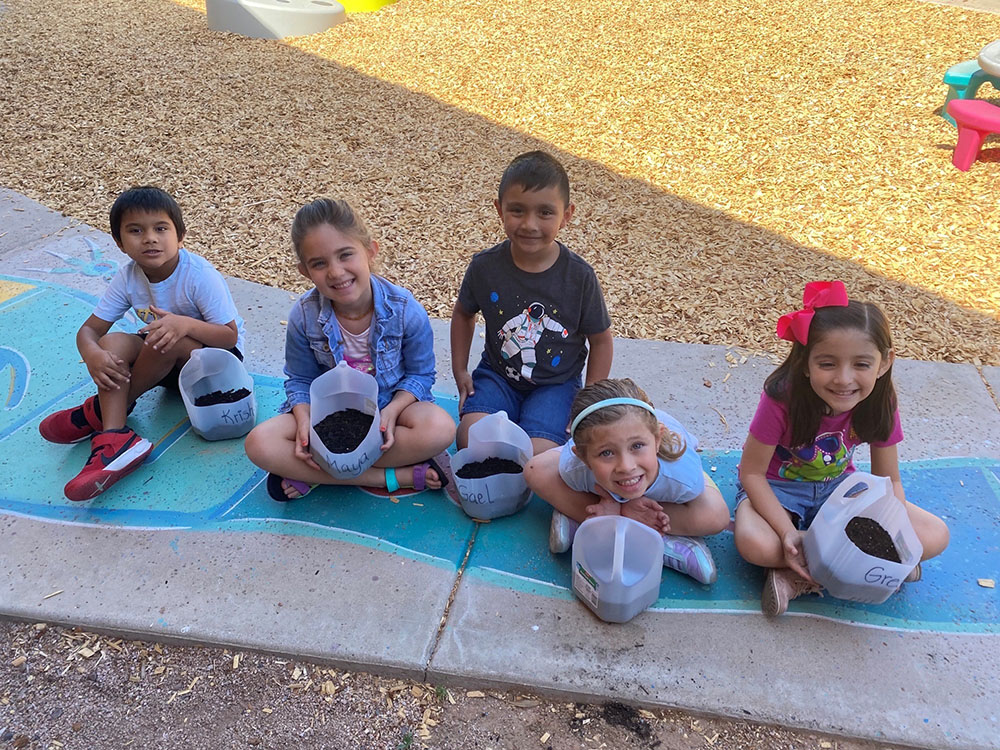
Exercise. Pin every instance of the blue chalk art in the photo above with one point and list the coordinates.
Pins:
(189, 484)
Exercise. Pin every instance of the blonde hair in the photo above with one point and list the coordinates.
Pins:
(672, 445)
(337, 213)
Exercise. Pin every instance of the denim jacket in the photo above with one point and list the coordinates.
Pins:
(402, 344)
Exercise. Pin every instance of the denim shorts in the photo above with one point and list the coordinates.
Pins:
(802, 499)
(542, 412)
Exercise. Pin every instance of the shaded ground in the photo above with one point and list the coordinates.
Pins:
(721, 154)
(63, 688)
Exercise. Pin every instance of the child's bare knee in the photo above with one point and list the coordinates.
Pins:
(442, 425)
(937, 535)
(532, 473)
(128, 346)
(256, 442)
(747, 545)
(718, 517)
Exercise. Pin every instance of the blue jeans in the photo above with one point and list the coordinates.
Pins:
(802, 499)
(542, 412)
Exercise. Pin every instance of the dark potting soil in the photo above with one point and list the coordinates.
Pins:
(343, 431)
(222, 397)
(872, 539)
(488, 467)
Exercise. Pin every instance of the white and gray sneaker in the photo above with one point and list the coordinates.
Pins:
(561, 532)
(689, 555)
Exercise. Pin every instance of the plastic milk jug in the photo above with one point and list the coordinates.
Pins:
(210, 370)
(617, 565)
(494, 436)
(841, 566)
(338, 389)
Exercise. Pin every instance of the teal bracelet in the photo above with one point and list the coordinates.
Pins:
(391, 482)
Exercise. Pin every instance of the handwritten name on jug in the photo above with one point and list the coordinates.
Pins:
(879, 577)
(349, 467)
(479, 498)
(238, 416)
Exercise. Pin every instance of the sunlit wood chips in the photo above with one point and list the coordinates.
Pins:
(721, 154)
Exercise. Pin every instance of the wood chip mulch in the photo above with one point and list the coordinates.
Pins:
(721, 154)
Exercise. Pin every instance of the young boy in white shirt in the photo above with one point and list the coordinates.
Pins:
(185, 304)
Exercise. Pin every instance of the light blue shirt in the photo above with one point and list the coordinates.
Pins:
(677, 481)
(401, 343)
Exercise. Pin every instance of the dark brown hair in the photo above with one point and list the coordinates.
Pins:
(535, 170)
(145, 199)
(873, 418)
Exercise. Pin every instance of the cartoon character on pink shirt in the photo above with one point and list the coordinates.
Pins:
(821, 460)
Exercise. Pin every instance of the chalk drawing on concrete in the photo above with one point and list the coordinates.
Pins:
(95, 265)
(191, 484)
(20, 375)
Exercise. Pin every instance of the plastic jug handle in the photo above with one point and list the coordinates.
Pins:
(839, 504)
(618, 566)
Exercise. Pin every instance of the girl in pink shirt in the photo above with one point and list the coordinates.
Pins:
(833, 392)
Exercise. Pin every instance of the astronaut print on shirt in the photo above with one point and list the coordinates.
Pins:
(521, 335)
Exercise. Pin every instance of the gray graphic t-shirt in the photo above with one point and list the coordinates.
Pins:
(536, 323)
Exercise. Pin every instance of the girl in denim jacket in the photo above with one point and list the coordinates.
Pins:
(377, 328)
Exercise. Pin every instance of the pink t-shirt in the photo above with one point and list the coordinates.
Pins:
(825, 458)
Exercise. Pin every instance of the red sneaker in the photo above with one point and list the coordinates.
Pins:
(72, 425)
(114, 454)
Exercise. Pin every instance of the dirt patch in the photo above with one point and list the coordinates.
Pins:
(721, 155)
(869, 536)
(627, 717)
(65, 689)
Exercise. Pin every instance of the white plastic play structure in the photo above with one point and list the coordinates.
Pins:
(273, 19)
(989, 58)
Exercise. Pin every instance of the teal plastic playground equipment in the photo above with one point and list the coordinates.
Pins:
(964, 80)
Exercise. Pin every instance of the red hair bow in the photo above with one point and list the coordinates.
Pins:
(795, 326)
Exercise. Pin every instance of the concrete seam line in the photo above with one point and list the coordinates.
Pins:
(989, 388)
(451, 599)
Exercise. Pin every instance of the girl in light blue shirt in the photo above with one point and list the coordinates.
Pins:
(375, 326)
(626, 458)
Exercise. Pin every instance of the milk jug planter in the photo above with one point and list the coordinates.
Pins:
(493, 436)
(617, 566)
(208, 371)
(843, 568)
(337, 390)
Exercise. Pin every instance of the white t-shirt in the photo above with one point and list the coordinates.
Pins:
(194, 289)
(677, 481)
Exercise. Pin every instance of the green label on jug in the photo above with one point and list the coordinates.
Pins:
(585, 585)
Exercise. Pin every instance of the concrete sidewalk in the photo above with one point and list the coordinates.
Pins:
(366, 583)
